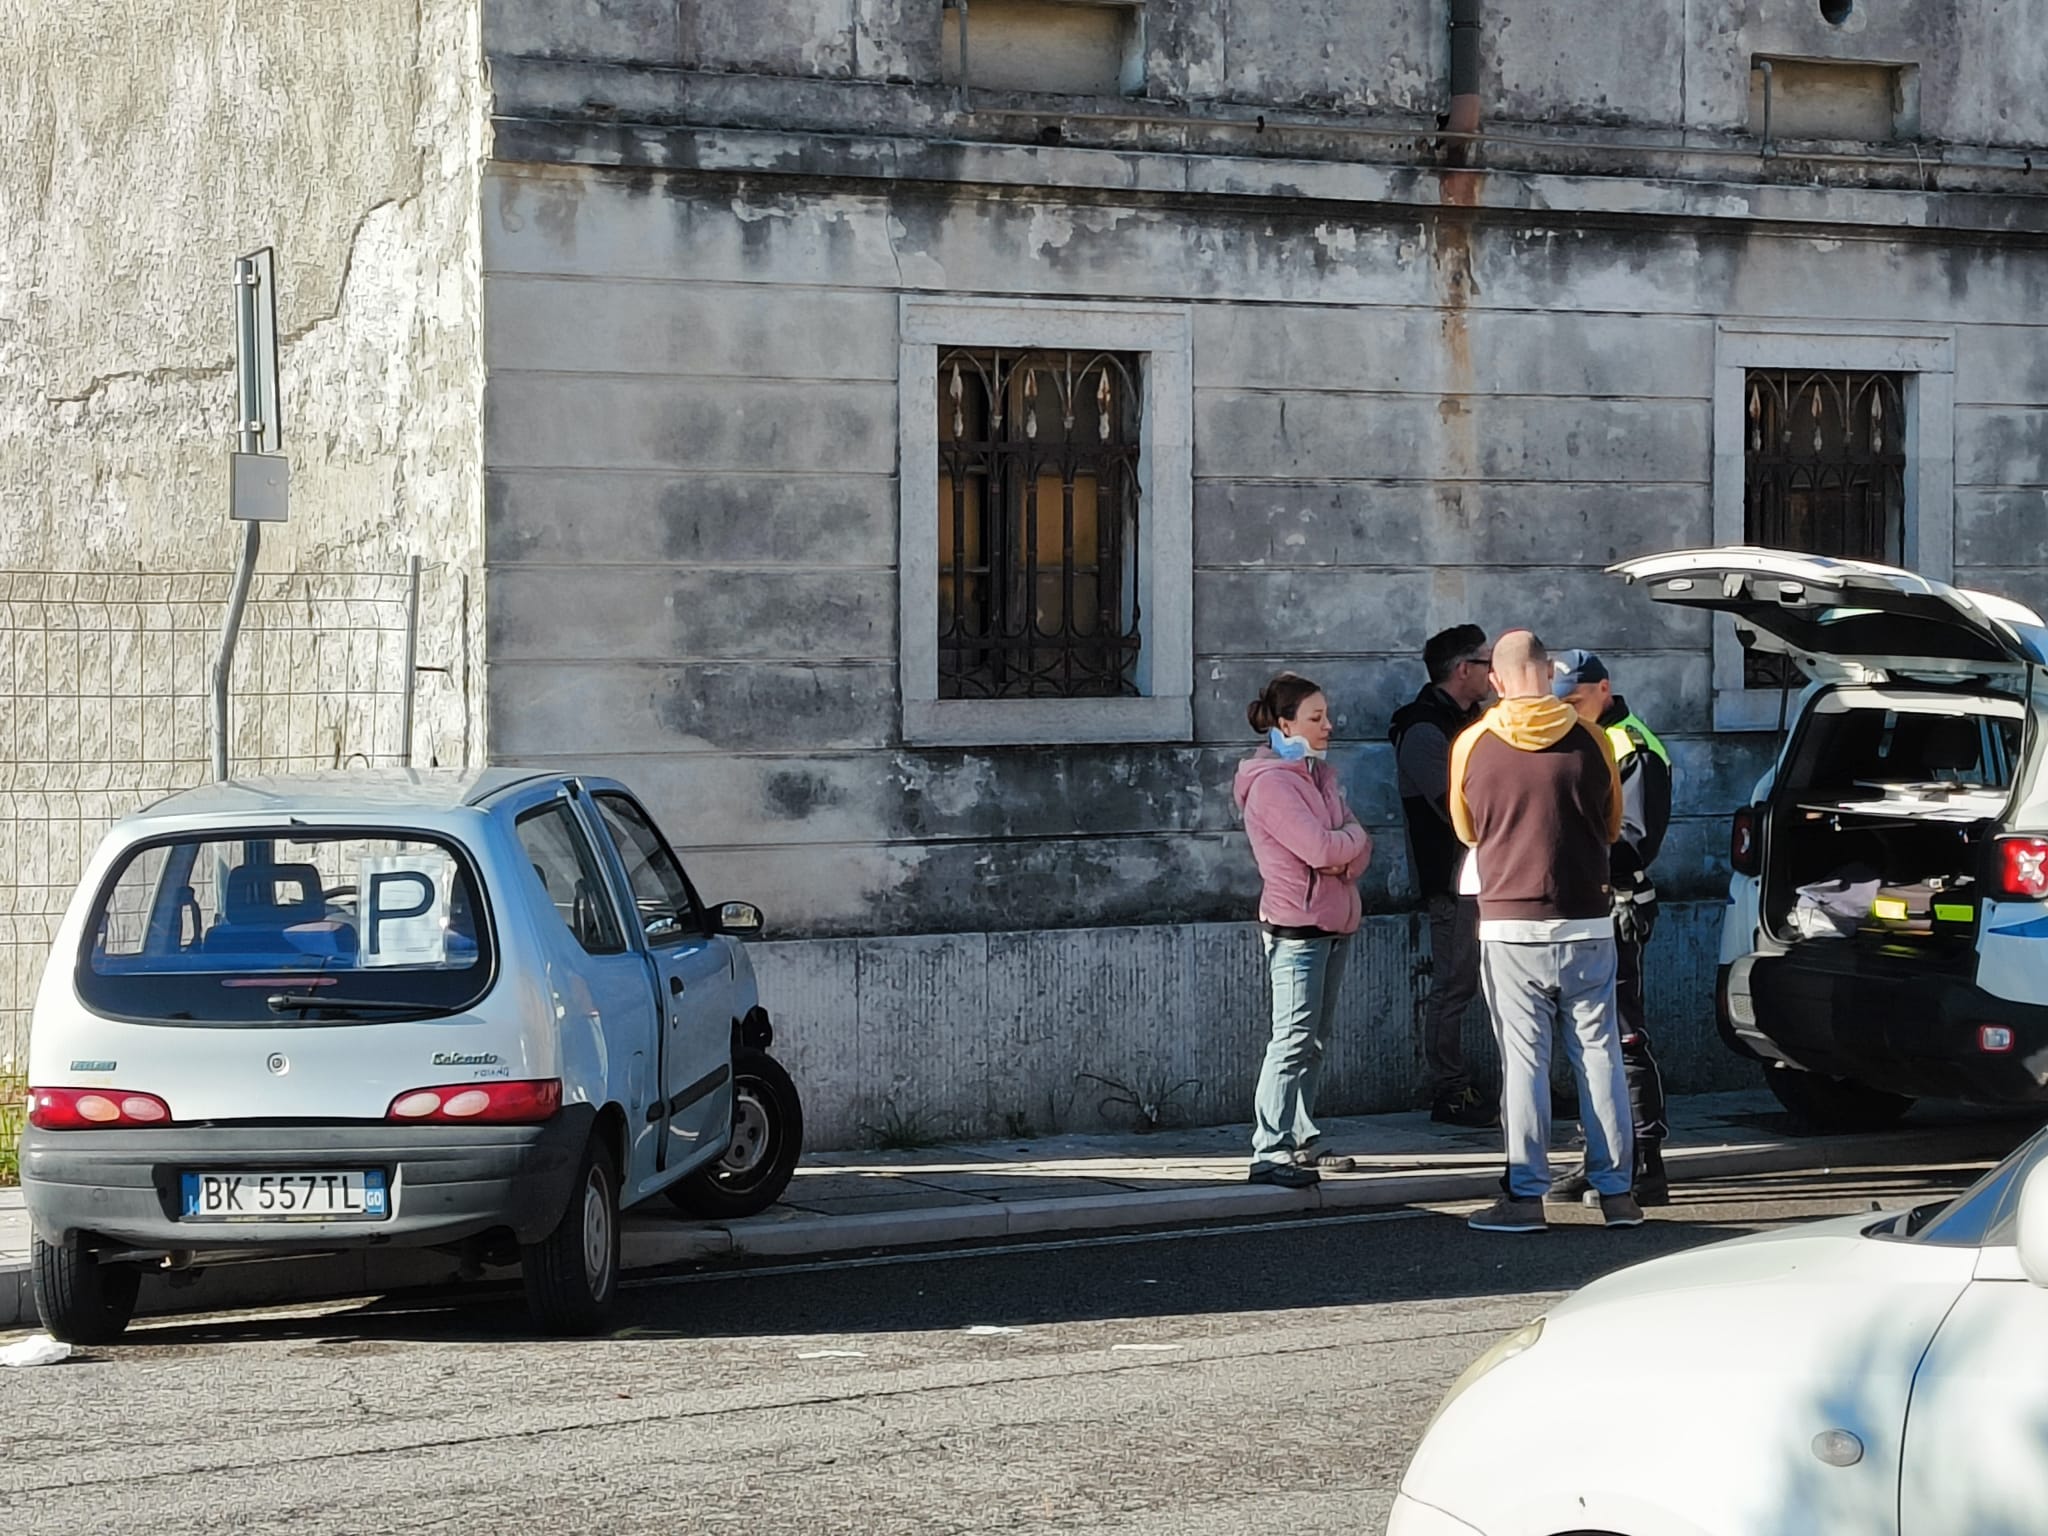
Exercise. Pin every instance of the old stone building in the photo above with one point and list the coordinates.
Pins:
(899, 436)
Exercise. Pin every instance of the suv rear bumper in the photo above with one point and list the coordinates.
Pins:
(1899, 1026)
(445, 1182)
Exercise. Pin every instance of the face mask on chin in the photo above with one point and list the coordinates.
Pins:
(1291, 749)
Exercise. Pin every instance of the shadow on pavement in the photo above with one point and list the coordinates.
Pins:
(1330, 1261)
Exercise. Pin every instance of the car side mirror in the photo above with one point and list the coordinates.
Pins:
(741, 919)
(2032, 1225)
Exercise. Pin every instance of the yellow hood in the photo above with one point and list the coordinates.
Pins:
(1530, 725)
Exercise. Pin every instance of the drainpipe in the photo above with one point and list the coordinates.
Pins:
(1464, 114)
(961, 99)
(1770, 147)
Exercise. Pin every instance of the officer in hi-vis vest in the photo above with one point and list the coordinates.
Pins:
(1646, 811)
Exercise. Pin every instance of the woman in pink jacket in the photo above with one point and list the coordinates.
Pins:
(1310, 851)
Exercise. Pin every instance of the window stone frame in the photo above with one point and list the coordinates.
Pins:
(1164, 709)
(1926, 356)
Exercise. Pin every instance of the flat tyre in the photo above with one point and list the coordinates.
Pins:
(759, 1161)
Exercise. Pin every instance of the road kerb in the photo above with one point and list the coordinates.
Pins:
(655, 1243)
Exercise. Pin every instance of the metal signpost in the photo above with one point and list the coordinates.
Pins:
(259, 479)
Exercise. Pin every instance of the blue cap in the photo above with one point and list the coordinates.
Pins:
(1575, 669)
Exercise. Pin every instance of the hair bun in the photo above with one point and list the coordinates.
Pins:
(1278, 701)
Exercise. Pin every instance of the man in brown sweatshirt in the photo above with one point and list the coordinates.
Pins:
(1535, 795)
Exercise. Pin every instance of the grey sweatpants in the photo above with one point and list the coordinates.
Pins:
(1530, 988)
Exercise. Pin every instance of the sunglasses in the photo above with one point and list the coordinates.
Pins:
(1476, 661)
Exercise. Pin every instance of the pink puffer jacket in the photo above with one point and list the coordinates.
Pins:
(1299, 826)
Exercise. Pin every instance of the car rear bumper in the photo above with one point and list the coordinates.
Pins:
(1884, 1022)
(445, 1182)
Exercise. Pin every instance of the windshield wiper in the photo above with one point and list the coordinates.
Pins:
(301, 1002)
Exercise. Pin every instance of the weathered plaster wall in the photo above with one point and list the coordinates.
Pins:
(148, 147)
(1419, 397)
(1976, 58)
(1650, 64)
(1401, 420)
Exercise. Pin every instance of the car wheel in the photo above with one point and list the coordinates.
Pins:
(767, 1139)
(572, 1274)
(1825, 1105)
(78, 1298)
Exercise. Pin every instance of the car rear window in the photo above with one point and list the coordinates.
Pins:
(321, 927)
(1864, 747)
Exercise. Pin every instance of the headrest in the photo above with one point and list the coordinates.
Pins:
(256, 895)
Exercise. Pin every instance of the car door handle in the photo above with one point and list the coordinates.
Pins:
(675, 986)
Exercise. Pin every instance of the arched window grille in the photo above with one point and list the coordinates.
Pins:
(1824, 471)
(1038, 524)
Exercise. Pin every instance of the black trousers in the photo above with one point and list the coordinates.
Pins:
(1645, 1082)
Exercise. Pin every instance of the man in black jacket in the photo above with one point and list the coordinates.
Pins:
(1645, 767)
(1457, 660)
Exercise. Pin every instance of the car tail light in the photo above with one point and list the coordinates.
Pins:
(1745, 851)
(94, 1109)
(524, 1102)
(1993, 1038)
(2023, 867)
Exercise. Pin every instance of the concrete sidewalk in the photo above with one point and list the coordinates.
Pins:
(845, 1202)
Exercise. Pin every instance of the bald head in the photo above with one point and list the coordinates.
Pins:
(1521, 666)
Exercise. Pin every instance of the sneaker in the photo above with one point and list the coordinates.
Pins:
(1620, 1211)
(1507, 1214)
(1313, 1156)
(1286, 1175)
(1464, 1108)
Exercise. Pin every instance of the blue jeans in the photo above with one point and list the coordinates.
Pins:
(1306, 975)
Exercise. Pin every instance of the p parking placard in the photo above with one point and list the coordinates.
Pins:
(402, 901)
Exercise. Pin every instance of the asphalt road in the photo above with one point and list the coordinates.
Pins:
(1186, 1383)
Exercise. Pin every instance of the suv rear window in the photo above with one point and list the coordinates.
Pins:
(1869, 747)
(316, 928)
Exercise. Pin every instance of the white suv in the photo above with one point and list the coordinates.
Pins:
(1890, 882)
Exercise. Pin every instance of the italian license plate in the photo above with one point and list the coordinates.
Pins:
(356, 1194)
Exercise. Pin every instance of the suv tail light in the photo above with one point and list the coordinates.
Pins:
(94, 1109)
(1745, 848)
(526, 1101)
(2023, 867)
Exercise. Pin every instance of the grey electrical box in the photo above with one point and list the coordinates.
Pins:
(259, 487)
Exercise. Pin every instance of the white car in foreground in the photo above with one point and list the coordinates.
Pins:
(1870, 1374)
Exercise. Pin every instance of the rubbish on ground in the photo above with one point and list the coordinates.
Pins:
(36, 1349)
(1144, 1348)
(984, 1329)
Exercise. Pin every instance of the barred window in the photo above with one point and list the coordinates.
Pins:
(1038, 538)
(1824, 472)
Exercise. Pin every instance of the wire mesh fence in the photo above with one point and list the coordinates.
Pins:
(105, 689)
